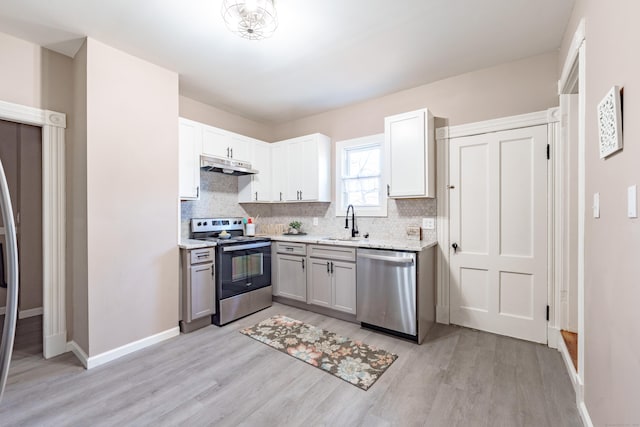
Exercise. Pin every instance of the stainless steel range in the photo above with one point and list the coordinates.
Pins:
(243, 267)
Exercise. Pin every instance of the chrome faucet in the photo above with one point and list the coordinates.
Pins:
(354, 227)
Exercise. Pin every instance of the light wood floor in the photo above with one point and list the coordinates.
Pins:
(571, 341)
(217, 376)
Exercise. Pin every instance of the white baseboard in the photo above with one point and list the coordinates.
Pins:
(576, 381)
(55, 345)
(73, 347)
(442, 314)
(584, 414)
(23, 314)
(108, 356)
(553, 336)
(32, 312)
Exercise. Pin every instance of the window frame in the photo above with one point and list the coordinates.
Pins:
(362, 211)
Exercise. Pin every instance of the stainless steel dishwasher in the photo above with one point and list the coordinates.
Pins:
(395, 291)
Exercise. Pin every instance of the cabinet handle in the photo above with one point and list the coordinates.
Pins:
(331, 267)
(232, 153)
(300, 194)
(227, 151)
(198, 192)
(256, 196)
(388, 189)
(281, 196)
(289, 249)
(328, 271)
(302, 263)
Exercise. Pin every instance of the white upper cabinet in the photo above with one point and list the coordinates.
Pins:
(308, 168)
(190, 142)
(410, 152)
(221, 143)
(278, 171)
(258, 187)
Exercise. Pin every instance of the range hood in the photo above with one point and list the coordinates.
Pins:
(226, 166)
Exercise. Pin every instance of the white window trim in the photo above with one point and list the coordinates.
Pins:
(361, 211)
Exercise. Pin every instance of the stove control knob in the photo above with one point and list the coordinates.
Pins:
(205, 223)
(199, 224)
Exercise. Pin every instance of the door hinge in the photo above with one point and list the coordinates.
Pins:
(547, 313)
(548, 151)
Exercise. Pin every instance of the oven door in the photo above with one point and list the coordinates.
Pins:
(243, 268)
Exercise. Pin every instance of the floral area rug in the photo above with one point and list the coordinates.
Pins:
(352, 361)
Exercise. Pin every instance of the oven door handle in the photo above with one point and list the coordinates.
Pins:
(245, 247)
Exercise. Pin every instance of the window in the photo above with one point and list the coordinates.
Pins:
(360, 176)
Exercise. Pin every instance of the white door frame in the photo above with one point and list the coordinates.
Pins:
(574, 73)
(550, 117)
(53, 124)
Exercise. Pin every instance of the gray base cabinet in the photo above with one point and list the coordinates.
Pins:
(331, 277)
(291, 276)
(197, 287)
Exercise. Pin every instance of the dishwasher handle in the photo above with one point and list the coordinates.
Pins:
(395, 260)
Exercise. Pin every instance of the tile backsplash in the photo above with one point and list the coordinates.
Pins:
(219, 197)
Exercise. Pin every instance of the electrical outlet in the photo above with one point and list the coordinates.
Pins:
(315, 220)
(428, 223)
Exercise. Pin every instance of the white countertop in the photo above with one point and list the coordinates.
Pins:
(398, 245)
(195, 244)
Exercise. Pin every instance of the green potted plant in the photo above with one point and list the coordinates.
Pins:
(294, 227)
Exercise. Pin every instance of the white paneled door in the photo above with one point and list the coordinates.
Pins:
(498, 232)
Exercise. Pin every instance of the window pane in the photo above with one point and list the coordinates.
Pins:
(361, 191)
(362, 161)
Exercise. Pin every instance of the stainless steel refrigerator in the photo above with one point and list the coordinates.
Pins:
(11, 315)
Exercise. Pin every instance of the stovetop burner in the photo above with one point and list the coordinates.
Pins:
(209, 229)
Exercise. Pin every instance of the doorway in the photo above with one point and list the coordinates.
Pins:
(498, 232)
(21, 155)
(53, 124)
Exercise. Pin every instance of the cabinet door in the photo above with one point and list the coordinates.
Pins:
(405, 134)
(279, 172)
(190, 140)
(215, 142)
(297, 160)
(257, 188)
(319, 282)
(240, 147)
(292, 280)
(262, 162)
(307, 173)
(202, 295)
(344, 287)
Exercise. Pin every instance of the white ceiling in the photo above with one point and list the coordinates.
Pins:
(325, 53)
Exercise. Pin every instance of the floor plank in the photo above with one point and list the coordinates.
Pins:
(217, 376)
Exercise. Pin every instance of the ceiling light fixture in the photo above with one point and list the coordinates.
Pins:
(251, 19)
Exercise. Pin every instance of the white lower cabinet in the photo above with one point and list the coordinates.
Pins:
(331, 277)
(291, 276)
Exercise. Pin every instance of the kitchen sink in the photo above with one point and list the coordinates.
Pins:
(342, 239)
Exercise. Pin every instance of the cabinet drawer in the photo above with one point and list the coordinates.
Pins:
(332, 252)
(201, 255)
(291, 248)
